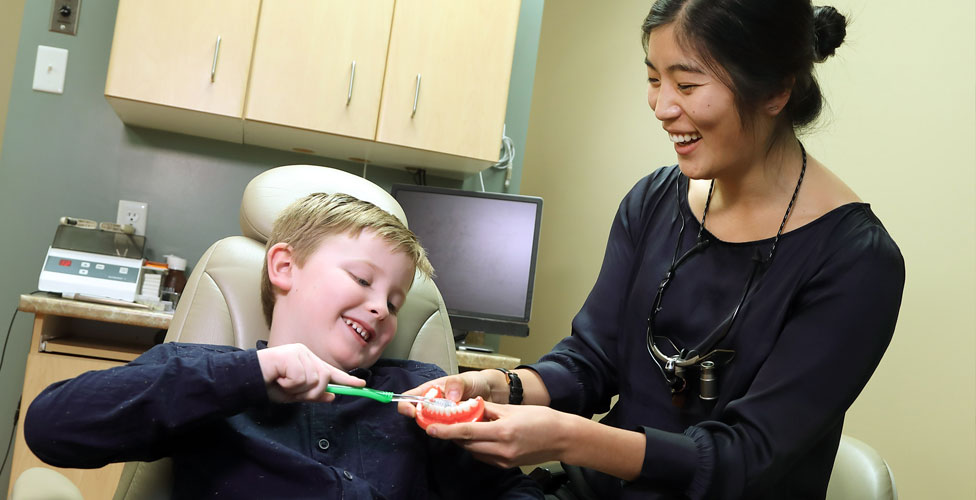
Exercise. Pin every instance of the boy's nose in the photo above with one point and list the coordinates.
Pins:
(379, 309)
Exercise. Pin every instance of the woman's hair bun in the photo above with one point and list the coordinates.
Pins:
(830, 28)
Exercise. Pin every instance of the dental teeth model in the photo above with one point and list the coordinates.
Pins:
(444, 411)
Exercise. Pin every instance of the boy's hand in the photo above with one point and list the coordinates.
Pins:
(293, 373)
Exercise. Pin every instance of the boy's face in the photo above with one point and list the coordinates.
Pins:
(342, 303)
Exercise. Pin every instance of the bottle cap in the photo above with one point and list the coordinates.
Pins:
(175, 263)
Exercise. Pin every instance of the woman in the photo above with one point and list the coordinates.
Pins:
(746, 296)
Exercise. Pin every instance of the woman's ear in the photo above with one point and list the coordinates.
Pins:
(774, 106)
(281, 265)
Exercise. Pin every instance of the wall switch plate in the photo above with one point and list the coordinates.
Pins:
(64, 16)
(134, 213)
(50, 68)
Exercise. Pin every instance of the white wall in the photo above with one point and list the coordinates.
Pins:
(901, 131)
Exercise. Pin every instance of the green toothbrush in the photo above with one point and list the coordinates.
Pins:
(384, 396)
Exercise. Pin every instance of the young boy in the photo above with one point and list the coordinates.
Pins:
(258, 423)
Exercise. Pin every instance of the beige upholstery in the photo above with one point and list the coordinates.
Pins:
(860, 473)
(221, 303)
(39, 483)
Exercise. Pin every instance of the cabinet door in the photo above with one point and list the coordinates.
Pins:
(166, 54)
(462, 51)
(302, 75)
(42, 370)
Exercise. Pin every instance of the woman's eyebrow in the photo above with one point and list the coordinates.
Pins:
(688, 68)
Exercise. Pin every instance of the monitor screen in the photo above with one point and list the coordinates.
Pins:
(483, 248)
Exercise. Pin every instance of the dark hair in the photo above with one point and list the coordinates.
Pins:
(757, 47)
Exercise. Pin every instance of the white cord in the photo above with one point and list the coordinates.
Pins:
(506, 159)
(482, 178)
(364, 168)
(507, 154)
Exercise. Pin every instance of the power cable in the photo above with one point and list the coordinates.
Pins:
(13, 427)
(505, 159)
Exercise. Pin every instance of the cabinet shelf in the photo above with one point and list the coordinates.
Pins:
(92, 349)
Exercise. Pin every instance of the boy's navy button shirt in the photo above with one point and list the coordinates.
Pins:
(207, 408)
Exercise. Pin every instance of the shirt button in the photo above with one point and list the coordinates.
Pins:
(347, 474)
(323, 444)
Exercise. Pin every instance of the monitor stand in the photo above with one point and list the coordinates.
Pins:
(471, 341)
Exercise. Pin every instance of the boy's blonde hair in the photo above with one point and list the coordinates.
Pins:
(306, 222)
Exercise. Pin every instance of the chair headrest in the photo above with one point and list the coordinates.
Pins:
(273, 190)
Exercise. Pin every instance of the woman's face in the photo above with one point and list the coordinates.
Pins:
(696, 109)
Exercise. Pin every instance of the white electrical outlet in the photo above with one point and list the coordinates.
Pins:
(134, 213)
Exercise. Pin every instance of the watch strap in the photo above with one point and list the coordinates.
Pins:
(514, 386)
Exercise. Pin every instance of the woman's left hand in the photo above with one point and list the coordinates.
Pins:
(513, 435)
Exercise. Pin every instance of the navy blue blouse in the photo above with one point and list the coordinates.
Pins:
(810, 333)
(207, 408)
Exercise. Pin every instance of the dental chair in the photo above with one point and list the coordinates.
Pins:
(859, 473)
(221, 303)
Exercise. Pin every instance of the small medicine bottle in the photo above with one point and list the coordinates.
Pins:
(175, 278)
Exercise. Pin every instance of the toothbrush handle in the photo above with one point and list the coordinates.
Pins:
(381, 396)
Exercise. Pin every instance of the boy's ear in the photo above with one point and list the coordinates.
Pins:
(281, 264)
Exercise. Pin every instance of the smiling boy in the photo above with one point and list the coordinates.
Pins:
(258, 423)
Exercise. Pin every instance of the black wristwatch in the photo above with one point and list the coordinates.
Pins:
(514, 386)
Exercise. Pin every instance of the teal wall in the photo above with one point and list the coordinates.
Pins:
(70, 155)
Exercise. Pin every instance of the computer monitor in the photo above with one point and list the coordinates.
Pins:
(483, 247)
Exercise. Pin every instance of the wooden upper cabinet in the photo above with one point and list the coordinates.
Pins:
(462, 51)
(164, 53)
(283, 76)
(303, 72)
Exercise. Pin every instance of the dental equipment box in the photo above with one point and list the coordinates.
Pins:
(93, 263)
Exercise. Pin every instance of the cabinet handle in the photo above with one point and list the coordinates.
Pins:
(352, 78)
(416, 95)
(213, 67)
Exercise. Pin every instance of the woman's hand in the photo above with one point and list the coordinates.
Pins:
(292, 372)
(456, 388)
(515, 435)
